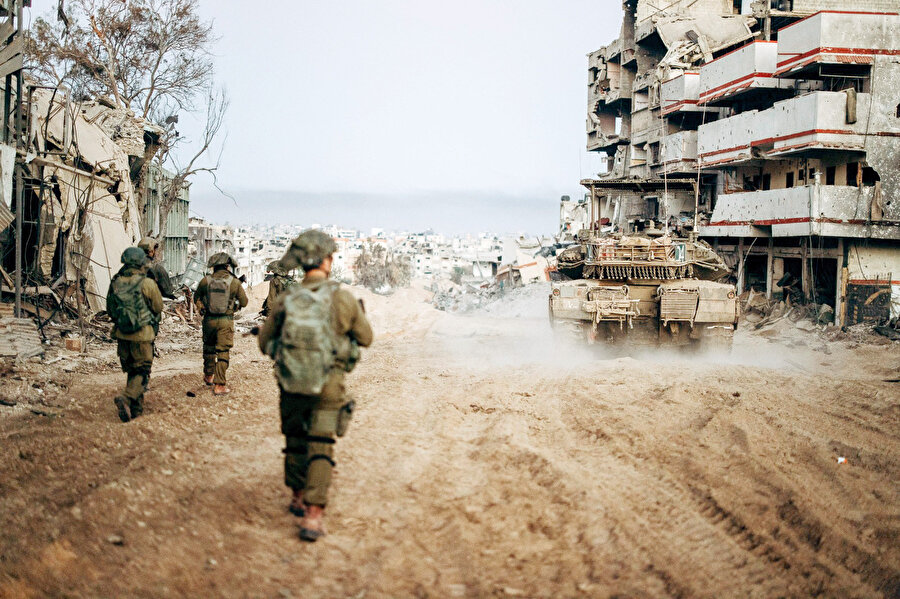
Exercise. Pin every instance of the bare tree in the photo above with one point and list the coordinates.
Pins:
(152, 56)
(173, 145)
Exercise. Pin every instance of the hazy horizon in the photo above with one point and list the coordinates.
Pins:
(451, 213)
(477, 106)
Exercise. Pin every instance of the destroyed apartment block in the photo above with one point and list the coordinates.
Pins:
(80, 210)
(769, 128)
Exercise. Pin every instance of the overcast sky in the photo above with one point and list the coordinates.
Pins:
(392, 98)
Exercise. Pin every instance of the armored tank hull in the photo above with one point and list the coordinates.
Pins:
(644, 291)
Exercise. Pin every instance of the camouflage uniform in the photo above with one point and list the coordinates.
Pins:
(156, 271)
(280, 281)
(218, 330)
(308, 422)
(135, 350)
(309, 453)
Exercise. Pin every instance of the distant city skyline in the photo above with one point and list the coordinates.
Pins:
(449, 213)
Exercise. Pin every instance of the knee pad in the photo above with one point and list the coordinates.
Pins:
(324, 423)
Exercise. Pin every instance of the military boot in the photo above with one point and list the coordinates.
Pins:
(208, 379)
(122, 409)
(311, 527)
(137, 407)
(296, 507)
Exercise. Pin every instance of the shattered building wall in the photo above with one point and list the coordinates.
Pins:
(80, 206)
(784, 114)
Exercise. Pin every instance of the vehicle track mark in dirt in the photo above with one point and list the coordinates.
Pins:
(483, 460)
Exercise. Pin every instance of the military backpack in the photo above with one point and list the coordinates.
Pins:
(219, 295)
(306, 351)
(127, 306)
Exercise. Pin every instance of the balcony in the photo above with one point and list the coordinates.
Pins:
(727, 141)
(751, 66)
(811, 122)
(824, 210)
(680, 93)
(816, 121)
(836, 38)
(678, 152)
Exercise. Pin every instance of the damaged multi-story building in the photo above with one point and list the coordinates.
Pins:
(768, 127)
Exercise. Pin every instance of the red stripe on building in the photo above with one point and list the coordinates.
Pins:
(704, 95)
(873, 282)
(785, 221)
(678, 105)
(829, 50)
(769, 140)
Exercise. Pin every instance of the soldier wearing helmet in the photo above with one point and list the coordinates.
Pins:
(156, 270)
(134, 304)
(218, 296)
(311, 422)
(280, 280)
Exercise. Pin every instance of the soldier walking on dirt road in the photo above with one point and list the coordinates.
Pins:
(134, 304)
(278, 284)
(218, 296)
(313, 333)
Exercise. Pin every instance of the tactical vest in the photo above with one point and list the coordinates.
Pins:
(127, 306)
(219, 295)
(306, 351)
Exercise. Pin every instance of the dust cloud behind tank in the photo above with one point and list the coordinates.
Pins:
(643, 289)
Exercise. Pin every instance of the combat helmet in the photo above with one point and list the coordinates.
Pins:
(148, 244)
(308, 250)
(135, 257)
(275, 267)
(221, 259)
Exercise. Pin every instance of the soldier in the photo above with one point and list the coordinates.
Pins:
(218, 296)
(280, 281)
(134, 304)
(156, 270)
(313, 332)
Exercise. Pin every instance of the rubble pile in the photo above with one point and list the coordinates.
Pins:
(490, 298)
(453, 297)
(774, 317)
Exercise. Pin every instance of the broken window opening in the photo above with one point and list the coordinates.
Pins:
(869, 176)
(830, 172)
(789, 179)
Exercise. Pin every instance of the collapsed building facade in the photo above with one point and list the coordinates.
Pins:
(78, 198)
(770, 128)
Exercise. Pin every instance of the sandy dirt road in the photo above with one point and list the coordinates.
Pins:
(484, 460)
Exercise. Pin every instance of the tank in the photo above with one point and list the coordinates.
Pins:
(644, 289)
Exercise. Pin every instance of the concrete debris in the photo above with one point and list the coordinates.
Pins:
(534, 261)
(20, 339)
(120, 125)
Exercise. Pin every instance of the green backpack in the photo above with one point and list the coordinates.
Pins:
(306, 350)
(219, 295)
(126, 305)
